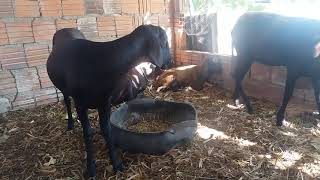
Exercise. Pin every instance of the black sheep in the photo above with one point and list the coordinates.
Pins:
(271, 39)
(89, 71)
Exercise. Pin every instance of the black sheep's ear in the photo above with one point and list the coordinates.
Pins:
(155, 54)
(162, 38)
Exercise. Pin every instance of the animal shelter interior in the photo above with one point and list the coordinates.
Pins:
(159, 89)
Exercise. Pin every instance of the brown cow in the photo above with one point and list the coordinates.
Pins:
(183, 76)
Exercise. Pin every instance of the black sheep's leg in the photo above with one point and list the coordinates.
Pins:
(88, 135)
(316, 89)
(290, 83)
(241, 68)
(131, 92)
(105, 126)
(140, 95)
(67, 102)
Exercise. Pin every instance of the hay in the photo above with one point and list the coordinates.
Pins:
(147, 126)
(234, 145)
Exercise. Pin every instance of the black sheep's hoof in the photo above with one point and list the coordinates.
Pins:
(119, 166)
(70, 125)
(91, 170)
(279, 120)
(279, 123)
(250, 110)
(91, 178)
(70, 128)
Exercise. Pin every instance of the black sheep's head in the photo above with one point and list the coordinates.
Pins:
(158, 47)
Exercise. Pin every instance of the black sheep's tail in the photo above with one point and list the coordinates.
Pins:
(232, 57)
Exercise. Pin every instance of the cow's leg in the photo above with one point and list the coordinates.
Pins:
(290, 83)
(316, 88)
(87, 134)
(242, 66)
(105, 126)
(67, 102)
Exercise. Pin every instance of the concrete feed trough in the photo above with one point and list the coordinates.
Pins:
(181, 116)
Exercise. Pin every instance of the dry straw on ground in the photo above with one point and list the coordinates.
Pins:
(230, 144)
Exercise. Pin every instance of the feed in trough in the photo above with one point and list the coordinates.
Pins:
(147, 124)
(144, 126)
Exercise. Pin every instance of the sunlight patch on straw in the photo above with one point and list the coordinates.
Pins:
(207, 133)
(286, 159)
(312, 169)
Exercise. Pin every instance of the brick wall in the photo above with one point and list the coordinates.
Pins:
(261, 81)
(27, 27)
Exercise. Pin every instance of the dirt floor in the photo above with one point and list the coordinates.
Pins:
(230, 144)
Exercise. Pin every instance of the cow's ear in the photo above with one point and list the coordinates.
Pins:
(317, 50)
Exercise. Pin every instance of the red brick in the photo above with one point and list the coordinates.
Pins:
(24, 106)
(45, 91)
(157, 6)
(151, 20)
(12, 57)
(112, 7)
(46, 84)
(3, 34)
(22, 96)
(143, 6)
(27, 79)
(278, 75)
(130, 7)
(6, 8)
(178, 55)
(299, 93)
(66, 23)
(43, 76)
(42, 69)
(137, 21)
(309, 95)
(43, 30)
(36, 54)
(47, 101)
(19, 32)
(26, 8)
(45, 96)
(8, 91)
(88, 26)
(260, 90)
(164, 20)
(260, 72)
(195, 56)
(106, 26)
(7, 86)
(94, 6)
(303, 83)
(73, 7)
(180, 39)
(7, 82)
(124, 25)
(50, 7)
